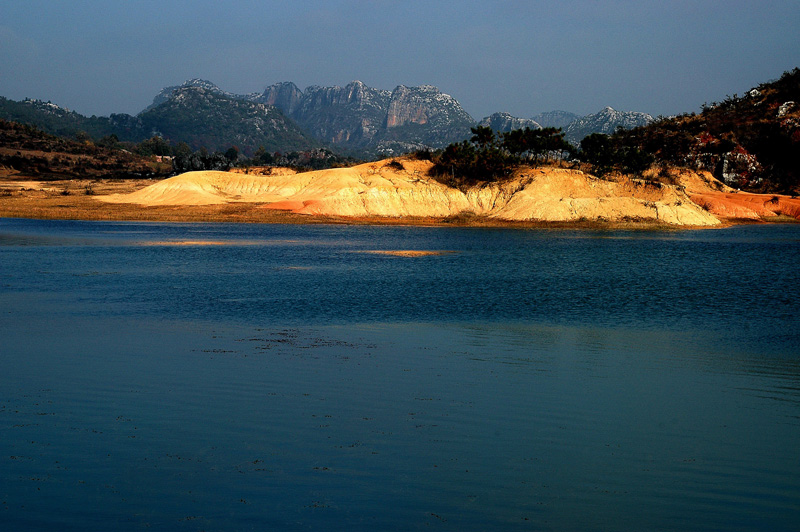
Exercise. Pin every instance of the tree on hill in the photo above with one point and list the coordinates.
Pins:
(482, 136)
(154, 146)
(606, 153)
(33, 152)
(485, 158)
(262, 157)
(596, 150)
(535, 144)
(750, 141)
(232, 154)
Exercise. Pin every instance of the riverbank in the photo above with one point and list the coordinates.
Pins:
(551, 198)
(69, 200)
(50, 203)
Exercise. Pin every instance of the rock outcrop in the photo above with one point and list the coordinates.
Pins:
(504, 122)
(606, 122)
(167, 92)
(285, 96)
(557, 119)
(422, 116)
(349, 116)
(366, 120)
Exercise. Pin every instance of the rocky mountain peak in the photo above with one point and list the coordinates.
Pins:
(369, 120)
(357, 91)
(285, 96)
(202, 116)
(421, 105)
(202, 83)
(196, 83)
(48, 107)
(354, 94)
(605, 121)
(503, 122)
(557, 119)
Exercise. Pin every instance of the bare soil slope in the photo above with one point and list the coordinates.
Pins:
(388, 190)
(731, 204)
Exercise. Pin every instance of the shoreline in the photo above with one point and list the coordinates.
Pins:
(27, 198)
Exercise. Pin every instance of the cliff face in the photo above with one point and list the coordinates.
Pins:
(349, 116)
(422, 117)
(555, 119)
(424, 105)
(606, 122)
(368, 120)
(407, 106)
(285, 96)
(504, 122)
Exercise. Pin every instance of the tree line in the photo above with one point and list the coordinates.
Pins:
(184, 159)
(488, 156)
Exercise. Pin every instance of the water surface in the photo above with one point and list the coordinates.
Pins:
(252, 377)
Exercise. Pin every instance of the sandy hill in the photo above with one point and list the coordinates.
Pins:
(386, 189)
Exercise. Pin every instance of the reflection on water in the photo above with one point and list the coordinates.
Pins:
(557, 380)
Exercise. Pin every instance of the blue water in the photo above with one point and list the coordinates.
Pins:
(278, 377)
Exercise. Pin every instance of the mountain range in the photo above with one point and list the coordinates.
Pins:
(606, 121)
(355, 119)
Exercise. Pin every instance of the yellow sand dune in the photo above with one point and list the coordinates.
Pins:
(381, 189)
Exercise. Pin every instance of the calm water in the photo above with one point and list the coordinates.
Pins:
(283, 378)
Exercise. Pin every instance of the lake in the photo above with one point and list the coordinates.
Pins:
(235, 377)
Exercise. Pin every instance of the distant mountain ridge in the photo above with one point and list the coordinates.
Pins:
(354, 119)
(201, 116)
(361, 118)
(606, 121)
(366, 120)
(167, 92)
(558, 119)
(575, 127)
(504, 122)
(53, 118)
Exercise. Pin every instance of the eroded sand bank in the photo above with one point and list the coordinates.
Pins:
(383, 190)
(384, 193)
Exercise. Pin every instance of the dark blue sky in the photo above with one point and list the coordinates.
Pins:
(660, 57)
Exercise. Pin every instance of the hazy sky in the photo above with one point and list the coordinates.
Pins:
(523, 57)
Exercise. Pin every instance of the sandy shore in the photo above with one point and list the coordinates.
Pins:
(76, 200)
